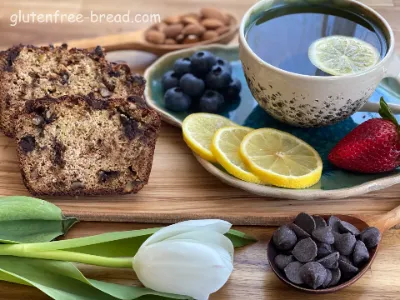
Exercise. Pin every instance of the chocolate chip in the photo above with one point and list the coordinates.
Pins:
(284, 238)
(336, 274)
(330, 260)
(137, 80)
(344, 243)
(59, 150)
(282, 260)
(305, 222)
(324, 235)
(27, 143)
(301, 234)
(346, 266)
(113, 73)
(319, 221)
(334, 223)
(371, 237)
(292, 272)
(360, 254)
(64, 45)
(64, 77)
(99, 51)
(130, 126)
(305, 250)
(105, 176)
(345, 227)
(109, 84)
(328, 278)
(97, 104)
(323, 249)
(136, 99)
(313, 274)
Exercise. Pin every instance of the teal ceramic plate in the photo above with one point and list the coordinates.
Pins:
(334, 183)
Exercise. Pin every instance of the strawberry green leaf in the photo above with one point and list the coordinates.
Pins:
(386, 113)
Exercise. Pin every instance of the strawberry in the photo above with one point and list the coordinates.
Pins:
(372, 147)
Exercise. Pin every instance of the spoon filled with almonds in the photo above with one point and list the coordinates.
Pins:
(324, 254)
(209, 26)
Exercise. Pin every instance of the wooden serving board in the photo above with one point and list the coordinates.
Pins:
(180, 188)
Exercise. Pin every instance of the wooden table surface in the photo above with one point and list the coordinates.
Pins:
(252, 278)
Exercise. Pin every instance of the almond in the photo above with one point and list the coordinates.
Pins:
(161, 26)
(213, 13)
(209, 35)
(222, 30)
(179, 39)
(190, 20)
(155, 37)
(170, 42)
(173, 20)
(193, 29)
(172, 31)
(212, 23)
(191, 39)
(192, 15)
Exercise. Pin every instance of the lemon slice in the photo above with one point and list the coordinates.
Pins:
(342, 55)
(198, 131)
(225, 147)
(281, 159)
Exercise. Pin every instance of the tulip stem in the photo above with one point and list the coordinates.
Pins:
(60, 255)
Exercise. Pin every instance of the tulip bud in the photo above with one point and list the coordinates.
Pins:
(191, 258)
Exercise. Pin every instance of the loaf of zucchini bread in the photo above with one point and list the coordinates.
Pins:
(29, 72)
(85, 145)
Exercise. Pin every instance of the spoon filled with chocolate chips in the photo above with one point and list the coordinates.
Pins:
(323, 254)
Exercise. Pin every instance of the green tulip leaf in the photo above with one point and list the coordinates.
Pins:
(240, 239)
(30, 220)
(120, 244)
(63, 281)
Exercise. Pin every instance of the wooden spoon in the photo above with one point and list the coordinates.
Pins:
(136, 41)
(382, 222)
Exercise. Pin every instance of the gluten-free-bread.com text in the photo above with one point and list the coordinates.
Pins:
(93, 17)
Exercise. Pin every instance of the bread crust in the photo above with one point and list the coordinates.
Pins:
(143, 138)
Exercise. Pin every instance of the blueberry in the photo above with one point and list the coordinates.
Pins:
(176, 100)
(224, 64)
(202, 62)
(191, 85)
(182, 66)
(218, 78)
(211, 102)
(170, 80)
(233, 89)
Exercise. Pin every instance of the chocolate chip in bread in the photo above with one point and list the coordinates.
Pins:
(28, 72)
(77, 145)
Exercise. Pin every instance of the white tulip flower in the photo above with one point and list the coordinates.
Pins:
(191, 258)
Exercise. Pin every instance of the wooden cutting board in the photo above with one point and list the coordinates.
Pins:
(180, 188)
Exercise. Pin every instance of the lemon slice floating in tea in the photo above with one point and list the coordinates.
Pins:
(198, 131)
(281, 159)
(342, 55)
(225, 147)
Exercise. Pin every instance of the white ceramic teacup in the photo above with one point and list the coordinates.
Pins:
(310, 101)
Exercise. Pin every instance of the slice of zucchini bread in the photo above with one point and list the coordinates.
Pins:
(77, 145)
(28, 72)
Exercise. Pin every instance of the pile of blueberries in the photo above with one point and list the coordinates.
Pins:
(316, 253)
(202, 82)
